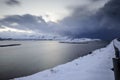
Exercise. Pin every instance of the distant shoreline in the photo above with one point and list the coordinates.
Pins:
(9, 45)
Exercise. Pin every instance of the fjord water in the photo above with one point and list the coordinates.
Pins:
(34, 56)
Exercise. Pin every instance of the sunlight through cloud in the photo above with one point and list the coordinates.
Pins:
(4, 29)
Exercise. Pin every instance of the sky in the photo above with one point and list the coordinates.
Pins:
(73, 18)
(51, 9)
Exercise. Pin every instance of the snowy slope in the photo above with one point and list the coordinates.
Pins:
(95, 66)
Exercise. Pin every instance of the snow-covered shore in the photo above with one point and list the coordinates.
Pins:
(95, 66)
(79, 40)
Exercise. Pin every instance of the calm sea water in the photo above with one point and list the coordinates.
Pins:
(34, 56)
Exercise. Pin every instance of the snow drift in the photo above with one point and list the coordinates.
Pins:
(95, 66)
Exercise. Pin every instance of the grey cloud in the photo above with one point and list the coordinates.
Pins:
(12, 2)
(28, 22)
(95, 0)
(103, 23)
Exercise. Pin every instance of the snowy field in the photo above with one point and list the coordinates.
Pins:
(95, 66)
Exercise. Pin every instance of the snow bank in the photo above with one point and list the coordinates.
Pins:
(81, 40)
(95, 66)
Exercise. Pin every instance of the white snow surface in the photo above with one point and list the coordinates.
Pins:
(79, 40)
(95, 66)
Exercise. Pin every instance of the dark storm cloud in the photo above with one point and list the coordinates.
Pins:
(12, 2)
(104, 24)
(112, 10)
